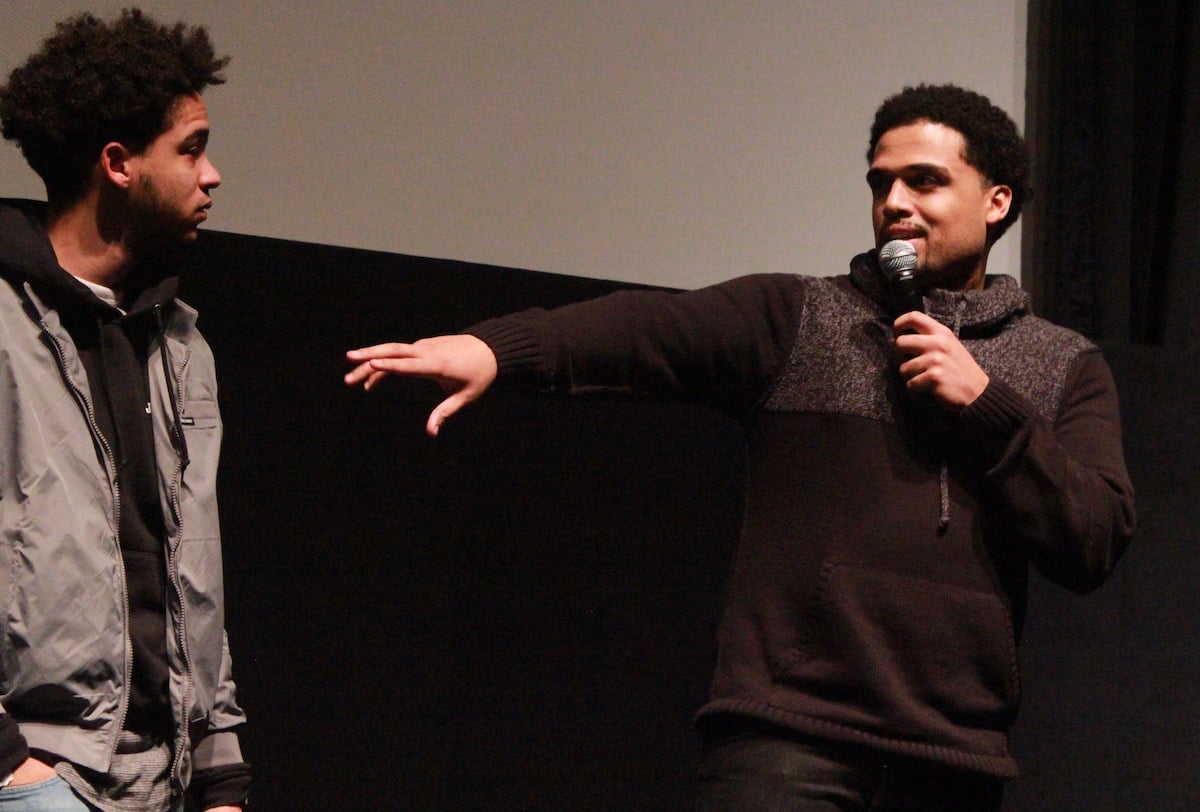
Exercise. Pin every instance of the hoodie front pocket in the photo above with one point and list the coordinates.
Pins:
(908, 650)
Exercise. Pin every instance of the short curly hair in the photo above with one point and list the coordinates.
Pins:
(94, 82)
(994, 146)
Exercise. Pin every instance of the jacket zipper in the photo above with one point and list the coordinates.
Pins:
(115, 486)
(174, 383)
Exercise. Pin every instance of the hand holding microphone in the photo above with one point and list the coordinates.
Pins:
(932, 359)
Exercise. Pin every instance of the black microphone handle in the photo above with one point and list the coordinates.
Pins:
(906, 295)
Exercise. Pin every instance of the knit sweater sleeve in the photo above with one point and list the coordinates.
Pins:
(722, 343)
(1060, 486)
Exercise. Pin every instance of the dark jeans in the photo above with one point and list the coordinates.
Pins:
(757, 773)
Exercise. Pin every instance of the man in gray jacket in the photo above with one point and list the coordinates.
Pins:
(115, 675)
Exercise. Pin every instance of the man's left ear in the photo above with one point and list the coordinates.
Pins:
(115, 163)
(998, 202)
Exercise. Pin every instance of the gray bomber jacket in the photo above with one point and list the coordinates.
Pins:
(64, 640)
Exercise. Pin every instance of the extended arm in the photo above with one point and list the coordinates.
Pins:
(719, 343)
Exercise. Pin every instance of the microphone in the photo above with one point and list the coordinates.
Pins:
(898, 259)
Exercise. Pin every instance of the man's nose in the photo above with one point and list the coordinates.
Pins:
(898, 197)
(210, 178)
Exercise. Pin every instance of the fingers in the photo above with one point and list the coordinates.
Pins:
(358, 375)
(382, 360)
(365, 372)
(375, 377)
(372, 372)
(392, 349)
(941, 366)
(924, 359)
(915, 322)
(918, 377)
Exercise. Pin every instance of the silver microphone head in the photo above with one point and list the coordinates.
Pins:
(896, 256)
(898, 260)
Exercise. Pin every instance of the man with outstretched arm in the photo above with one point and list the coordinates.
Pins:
(907, 464)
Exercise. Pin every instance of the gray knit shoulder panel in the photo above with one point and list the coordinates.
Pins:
(841, 361)
(1032, 356)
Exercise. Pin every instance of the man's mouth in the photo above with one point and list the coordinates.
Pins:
(902, 231)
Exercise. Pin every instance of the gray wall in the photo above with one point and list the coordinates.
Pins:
(675, 143)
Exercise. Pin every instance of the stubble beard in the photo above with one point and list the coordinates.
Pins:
(156, 228)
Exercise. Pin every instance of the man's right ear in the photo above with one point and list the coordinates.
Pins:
(115, 160)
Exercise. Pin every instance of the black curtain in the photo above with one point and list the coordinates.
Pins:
(1112, 249)
(1113, 235)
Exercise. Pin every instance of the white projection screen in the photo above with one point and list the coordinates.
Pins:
(674, 143)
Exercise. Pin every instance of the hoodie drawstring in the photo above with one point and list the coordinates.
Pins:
(944, 474)
(944, 518)
(176, 428)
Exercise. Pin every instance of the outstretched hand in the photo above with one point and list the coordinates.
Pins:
(462, 365)
(934, 361)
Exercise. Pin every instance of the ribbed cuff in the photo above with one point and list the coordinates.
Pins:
(13, 749)
(514, 343)
(227, 785)
(988, 425)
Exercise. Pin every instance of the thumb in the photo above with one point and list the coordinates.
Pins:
(446, 409)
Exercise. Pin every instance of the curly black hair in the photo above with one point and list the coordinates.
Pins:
(94, 82)
(994, 146)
